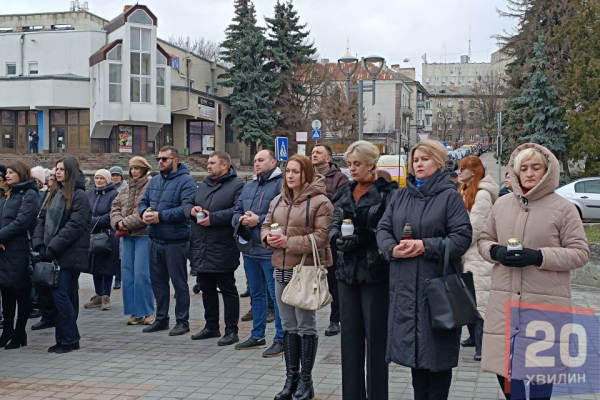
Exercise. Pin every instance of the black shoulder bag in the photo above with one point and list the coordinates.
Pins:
(451, 296)
(99, 242)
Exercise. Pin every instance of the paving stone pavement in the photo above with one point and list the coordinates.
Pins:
(117, 361)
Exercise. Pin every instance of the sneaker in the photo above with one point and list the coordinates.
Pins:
(117, 285)
(133, 320)
(249, 316)
(149, 319)
(251, 343)
(276, 350)
(105, 303)
(95, 302)
(270, 316)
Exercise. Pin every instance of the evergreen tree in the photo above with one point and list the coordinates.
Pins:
(537, 106)
(251, 104)
(288, 50)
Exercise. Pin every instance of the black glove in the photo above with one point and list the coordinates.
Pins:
(347, 243)
(44, 255)
(523, 258)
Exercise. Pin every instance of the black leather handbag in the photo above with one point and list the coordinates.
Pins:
(46, 273)
(451, 296)
(99, 242)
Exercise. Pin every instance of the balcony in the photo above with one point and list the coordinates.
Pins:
(428, 111)
(420, 104)
(406, 111)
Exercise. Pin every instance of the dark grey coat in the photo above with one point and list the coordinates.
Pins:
(107, 264)
(435, 211)
(17, 215)
(213, 247)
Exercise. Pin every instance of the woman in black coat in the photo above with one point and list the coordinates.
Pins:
(106, 265)
(63, 234)
(435, 210)
(18, 213)
(362, 275)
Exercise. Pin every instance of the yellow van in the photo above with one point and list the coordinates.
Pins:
(395, 166)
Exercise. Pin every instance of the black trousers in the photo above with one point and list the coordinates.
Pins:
(46, 304)
(333, 289)
(210, 298)
(12, 297)
(66, 303)
(168, 260)
(430, 385)
(364, 314)
(517, 390)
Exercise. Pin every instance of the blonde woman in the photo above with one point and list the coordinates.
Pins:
(436, 212)
(362, 274)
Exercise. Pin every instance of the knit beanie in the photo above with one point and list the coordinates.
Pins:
(103, 173)
(116, 170)
(39, 174)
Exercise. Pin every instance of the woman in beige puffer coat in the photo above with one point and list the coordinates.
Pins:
(479, 192)
(554, 243)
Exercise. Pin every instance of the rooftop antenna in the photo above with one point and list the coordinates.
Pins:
(469, 42)
(77, 5)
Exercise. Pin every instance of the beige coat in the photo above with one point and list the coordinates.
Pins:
(125, 207)
(485, 198)
(297, 224)
(542, 220)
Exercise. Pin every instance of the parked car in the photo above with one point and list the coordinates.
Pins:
(585, 194)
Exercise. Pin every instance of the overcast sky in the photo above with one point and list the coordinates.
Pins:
(394, 29)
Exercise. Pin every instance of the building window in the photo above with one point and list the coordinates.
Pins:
(420, 114)
(140, 80)
(471, 114)
(437, 78)
(439, 114)
(439, 103)
(450, 126)
(459, 117)
(449, 102)
(428, 105)
(471, 104)
(114, 83)
(428, 79)
(161, 62)
(439, 127)
(449, 114)
(470, 79)
(428, 120)
(453, 79)
(445, 79)
(449, 137)
(201, 137)
(461, 79)
(15, 127)
(140, 17)
(33, 68)
(471, 138)
(114, 54)
(460, 103)
(191, 83)
(471, 126)
(69, 129)
(11, 69)
(419, 96)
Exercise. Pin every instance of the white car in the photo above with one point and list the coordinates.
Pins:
(585, 194)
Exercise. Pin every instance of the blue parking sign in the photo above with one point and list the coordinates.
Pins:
(281, 148)
(316, 134)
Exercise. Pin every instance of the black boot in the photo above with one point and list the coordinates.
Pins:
(19, 339)
(7, 335)
(478, 339)
(291, 352)
(305, 389)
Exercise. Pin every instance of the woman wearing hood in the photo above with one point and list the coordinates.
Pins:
(550, 231)
(104, 266)
(62, 233)
(479, 193)
(300, 210)
(18, 211)
(437, 214)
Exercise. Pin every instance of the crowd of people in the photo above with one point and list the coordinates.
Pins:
(377, 274)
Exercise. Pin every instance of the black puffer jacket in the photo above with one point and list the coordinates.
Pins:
(363, 264)
(213, 247)
(101, 202)
(435, 211)
(71, 244)
(17, 215)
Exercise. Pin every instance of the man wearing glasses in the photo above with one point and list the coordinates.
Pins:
(162, 208)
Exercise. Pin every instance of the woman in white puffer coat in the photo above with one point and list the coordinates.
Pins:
(479, 192)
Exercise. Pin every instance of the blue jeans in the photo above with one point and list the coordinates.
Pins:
(66, 303)
(256, 269)
(138, 298)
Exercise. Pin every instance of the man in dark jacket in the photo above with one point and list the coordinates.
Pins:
(213, 246)
(251, 210)
(334, 179)
(162, 208)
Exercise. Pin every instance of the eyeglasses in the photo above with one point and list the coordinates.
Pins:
(461, 169)
(163, 159)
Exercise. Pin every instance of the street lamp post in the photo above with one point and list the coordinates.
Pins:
(353, 62)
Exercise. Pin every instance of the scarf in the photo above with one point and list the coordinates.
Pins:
(54, 215)
(420, 182)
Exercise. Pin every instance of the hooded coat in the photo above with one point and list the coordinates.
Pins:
(363, 264)
(71, 243)
(256, 197)
(18, 214)
(169, 195)
(335, 179)
(435, 211)
(101, 202)
(125, 207)
(310, 212)
(486, 196)
(213, 247)
(541, 220)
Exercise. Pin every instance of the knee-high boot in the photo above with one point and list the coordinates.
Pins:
(478, 339)
(291, 352)
(305, 389)
(9, 307)
(24, 308)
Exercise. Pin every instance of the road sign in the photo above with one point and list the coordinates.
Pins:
(281, 148)
(301, 136)
(316, 124)
(445, 144)
(481, 135)
(316, 134)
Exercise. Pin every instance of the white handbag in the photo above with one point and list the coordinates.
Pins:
(308, 287)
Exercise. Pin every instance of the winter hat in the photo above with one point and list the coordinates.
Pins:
(116, 170)
(39, 174)
(140, 162)
(103, 173)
